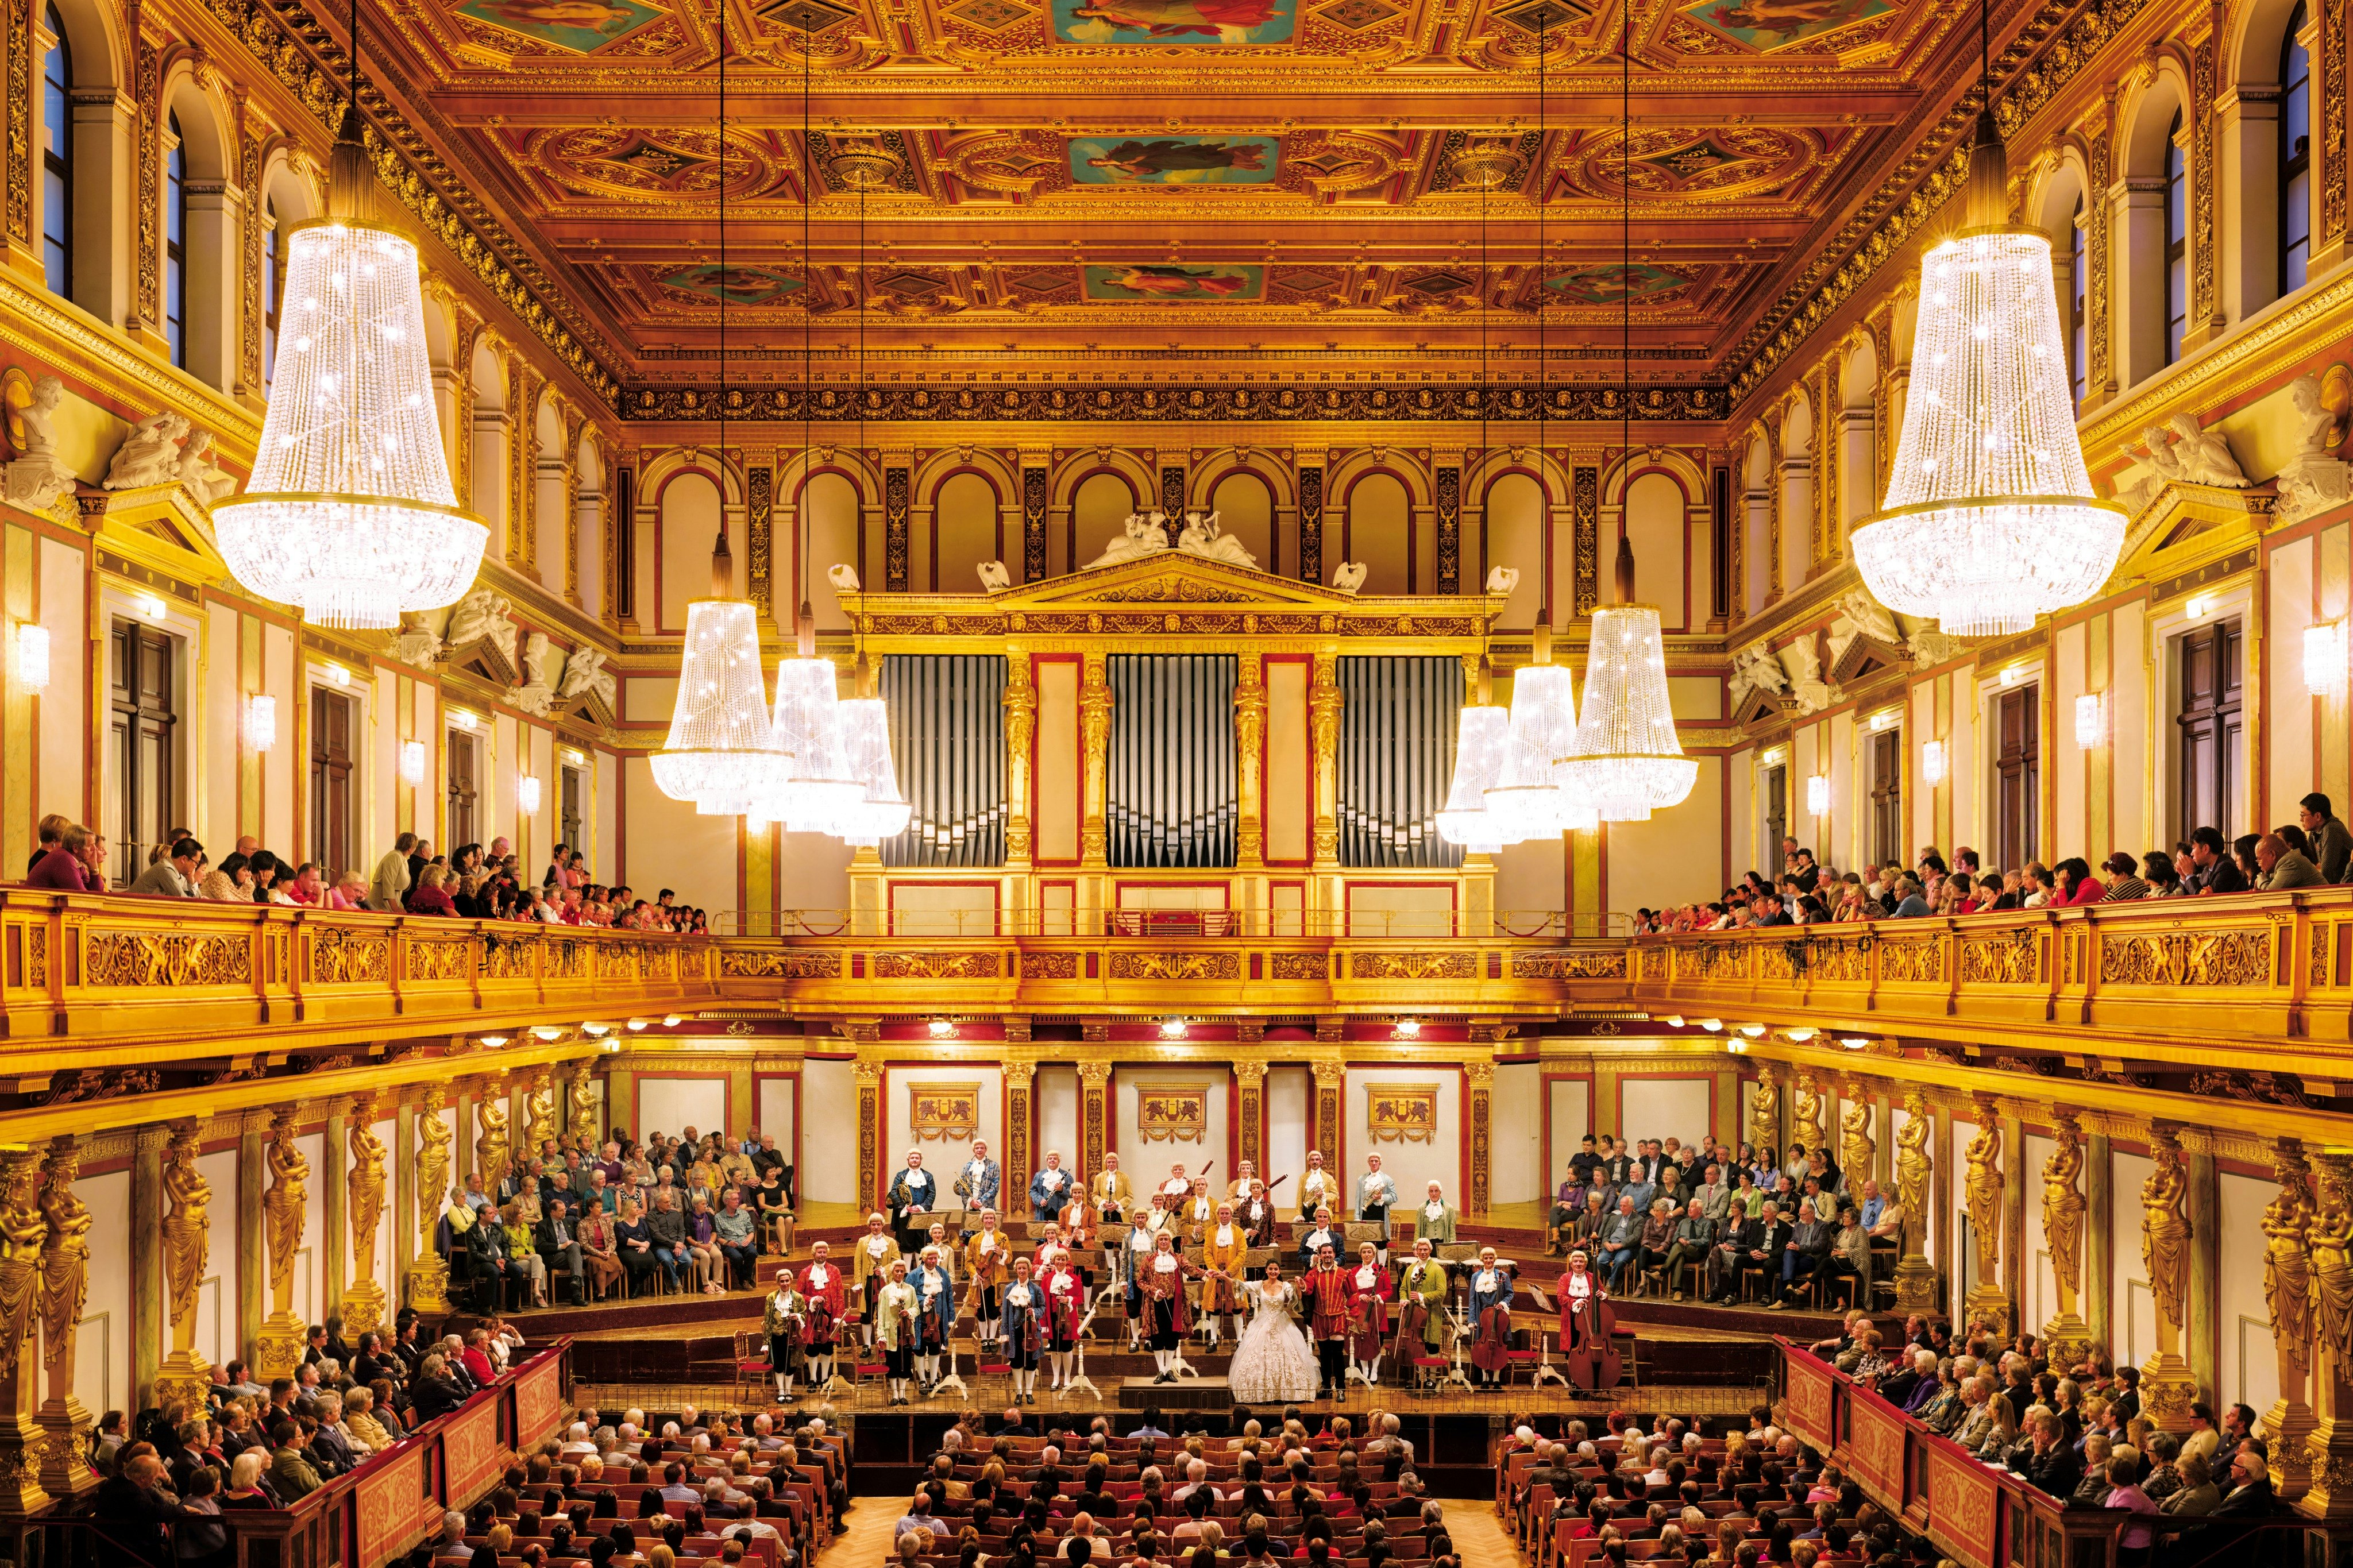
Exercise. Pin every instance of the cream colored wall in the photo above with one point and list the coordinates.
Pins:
(216, 1327)
(1054, 1097)
(776, 1117)
(671, 1105)
(2133, 1337)
(665, 843)
(2248, 1366)
(102, 1340)
(1515, 1137)
(942, 1156)
(1289, 760)
(829, 1099)
(64, 711)
(1290, 1092)
(1147, 1164)
(1412, 1164)
(1664, 1107)
(1570, 1106)
(1057, 806)
(1676, 858)
(2040, 1301)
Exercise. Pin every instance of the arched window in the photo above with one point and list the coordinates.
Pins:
(273, 287)
(2176, 241)
(2294, 157)
(56, 161)
(2079, 279)
(175, 248)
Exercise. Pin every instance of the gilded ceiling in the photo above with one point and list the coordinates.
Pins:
(1210, 187)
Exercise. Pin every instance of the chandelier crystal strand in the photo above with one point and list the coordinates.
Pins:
(884, 812)
(1990, 518)
(1528, 796)
(820, 787)
(349, 514)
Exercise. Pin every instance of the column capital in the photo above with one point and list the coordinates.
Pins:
(1250, 1074)
(1330, 1072)
(1094, 1075)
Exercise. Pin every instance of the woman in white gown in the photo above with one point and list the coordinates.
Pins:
(1273, 1363)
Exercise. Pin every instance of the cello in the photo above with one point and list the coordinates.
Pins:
(1589, 1343)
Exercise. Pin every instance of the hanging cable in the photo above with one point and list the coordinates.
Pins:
(805, 623)
(1625, 269)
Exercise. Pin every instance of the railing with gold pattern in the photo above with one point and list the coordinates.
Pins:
(98, 970)
(2257, 966)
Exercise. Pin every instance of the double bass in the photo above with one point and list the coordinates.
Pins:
(1589, 1343)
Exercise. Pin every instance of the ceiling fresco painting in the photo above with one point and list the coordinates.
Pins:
(1174, 160)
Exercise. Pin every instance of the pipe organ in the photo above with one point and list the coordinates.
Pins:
(947, 737)
(1397, 719)
(1172, 796)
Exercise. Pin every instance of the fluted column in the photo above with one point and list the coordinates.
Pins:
(184, 1376)
(65, 1290)
(1094, 728)
(1249, 1110)
(2287, 1291)
(1481, 1077)
(429, 1276)
(1020, 705)
(2063, 1229)
(2167, 1389)
(282, 1219)
(1915, 1172)
(1094, 1078)
(1988, 1203)
(363, 1299)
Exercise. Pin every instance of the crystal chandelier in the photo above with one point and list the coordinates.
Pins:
(1990, 518)
(882, 812)
(1530, 798)
(350, 515)
(818, 788)
(1482, 736)
(722, 752)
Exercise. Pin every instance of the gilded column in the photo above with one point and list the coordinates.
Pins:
(522, 466)
(538, 1115)
(188, 1240)
(1020, 705)
(1774, 586)
(493, 1151)
(2328, 1253)
(1310, 515)
(1806, 1128)
(2167, 1389)
(334, 1241)
(252, 131)
(1764, 1109)
(2334, 168)
(1323, 704)
(1035, 487)
(869, 1132)
(1020, 1081)
(1094, 725)
(282, 1217)
(2205, 320)
(2100, 1238)
(1331, 1079)
(65, 1290)
(1249, 1110)
(145, 322)
(1250, 741)
(1988, 1198)
(149, 1330)
(2070, 1338)
(759, 532)
(572, 509)
(1916, 1171)
(1094, 1106)
(1481, 1077)
(363, 1300)
(2287, 1291)
(429, 1277)
(2097, 129)
(24, 1227)
(1858, 1154)
(580, 1115)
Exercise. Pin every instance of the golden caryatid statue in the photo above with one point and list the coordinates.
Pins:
(2062, 1207)
(23, 1228)
(491, 1152)
(539, 1114)
(432, 1165)
(584, 1103)
(1914, 1168)
(2287, 1266)
(1858, 1150)
(187, 1230)
(2165, 1236)
(64, 1255)
(1806, 1113)
(2328, 1244)
(283, 1203)
(1765, 1112)
(364, 1186)
(1987, 1302)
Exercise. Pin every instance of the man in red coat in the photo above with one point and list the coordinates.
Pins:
(1329, 1301)
(828, 1289)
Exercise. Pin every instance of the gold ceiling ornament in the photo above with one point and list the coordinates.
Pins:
(1487, 164)
(862, 163)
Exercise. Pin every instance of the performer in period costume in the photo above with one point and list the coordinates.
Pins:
(1197, 1212)
(1176, 1188)
(823, 1288)
(1225, 1253)
(937, 1309)
(1316, 1189)
(1024, 1307)
(785, 1322)
(1149, 1225)
(1585, 1326)
(1254, 1212)
(1113, 1194)
(1326, 1293)
(1050, 1188)
(1434, 1221)
(976, 1183)
(987, 1262)
(1368, 1313)
(1325, 1232)
(896, 1306)
(1167, 1315)
(1421, 1303)
(1065, 1310)
(1376, 1194)
(1491, 1290)
(869, 1263)
(1244, 1176)
(1272, 1364)
(909, 1199)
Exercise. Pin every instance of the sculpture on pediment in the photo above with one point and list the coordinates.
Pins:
(1503, 580)
(1804, 666)
(198, 472)
(1755, 669)
(1930, 645)
(584, 673)
(2315, 479)
(416, 643)
(535, 695)
(484, 614)
(1870, 617)
(1138, 537)
(843, 577)
(36, 478)
(150, 454)
(993, 576)
(1200, 536)
(1348, 576)
(2182, 451)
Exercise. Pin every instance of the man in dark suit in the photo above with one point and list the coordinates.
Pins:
(2251, 1487)
(559, 1247)
(2048, 1460)
(1773, 1234)
(133, 1510)
(1733, 1254)
(1014, 1427)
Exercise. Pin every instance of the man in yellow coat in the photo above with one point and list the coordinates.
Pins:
(871, 1257)
(1225, 1254)
(1114, 1194)
(987, 1260)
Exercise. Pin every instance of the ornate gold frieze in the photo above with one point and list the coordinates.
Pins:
(2225, 958)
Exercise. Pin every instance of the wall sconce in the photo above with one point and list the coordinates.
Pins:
(1932, 763)
(942, 1029)
(1774, 758)
(597, 1031)
(1796, 1037)
(494, 1041)
(261, 722)
(150, 607)
(2013, 676)
(2090, 720)
(32, 656)
(1854, 1043)
(461, 720)
(339, 674)
(412, 761)
(1817, 795)
(671, 1020)
(1409, 1028)
(2324, 659)
(527, 794)
(636, 1024)
(548, 1032)
(575, 758)
(1883, 721)
(2199, 606)
(1172, 1028)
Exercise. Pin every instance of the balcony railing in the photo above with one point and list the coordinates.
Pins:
(1175, 924)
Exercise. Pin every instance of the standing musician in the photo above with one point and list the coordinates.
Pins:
(1050, 1189)
(1114, 1195)
(869, 1262)
(1421, 1299)
(977, 1183)
(1134, 1254)
(785, 1322)
(1225, 1253)
(909, 1199)
(987, 1260)
(937, 1306)
(1369, 1312)
(1325, 1291)
(1025, 1331)
(1162, 1285)
(1177, 1186)
(1491, 1290)
(1434, 1221)
(1376, 1194)
(823, 1288)
(1324, 1233)
(896, 1305)
(1254, 1212)
(1066, 1308)
(1243, 1176)
(1316, 1188)
(1199, 1211)
(1078, 1220)
(1586, 1325)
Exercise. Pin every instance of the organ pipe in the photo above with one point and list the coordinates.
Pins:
(1397, 720)
(947, 737)
(1172, 794)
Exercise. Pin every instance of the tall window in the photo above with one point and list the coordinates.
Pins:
(1887, 798)
(56, 161)
(2210, 722)
(143, 732)
(331, 781)
(273, 289)
(175, 248)
(2176, 241)
(2294, 157)
(2018, 774)
(2079, 286)
(460, 825)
